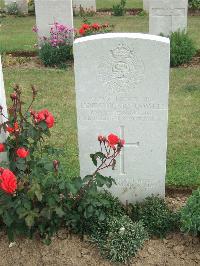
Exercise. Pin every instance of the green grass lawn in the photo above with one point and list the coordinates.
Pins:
(57, 94)
(16, 33)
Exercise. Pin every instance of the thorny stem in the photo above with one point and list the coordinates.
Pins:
(102, 166)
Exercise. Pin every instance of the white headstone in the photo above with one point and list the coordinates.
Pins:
(22, 5)
(3, 156)
(146, 5)
(167, 16)
(85, 4)
(122, 82)
(50, 11)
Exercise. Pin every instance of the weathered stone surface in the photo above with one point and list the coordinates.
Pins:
(122, 82)
(3, 156)
(50, 11)
(167, 16)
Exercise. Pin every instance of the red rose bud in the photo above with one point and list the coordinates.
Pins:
(121, 142)
(104, 139)
(22, 152)
(8, 181)
(100, 138)
(2, 147)
(13, 96)
(56, 165)
(113, 140)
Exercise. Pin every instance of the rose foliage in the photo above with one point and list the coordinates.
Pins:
(36, 196)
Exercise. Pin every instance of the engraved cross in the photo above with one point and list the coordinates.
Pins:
(127, 145)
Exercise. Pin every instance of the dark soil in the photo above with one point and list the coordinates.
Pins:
(176, 250)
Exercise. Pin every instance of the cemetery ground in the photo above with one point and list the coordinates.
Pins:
(56, 92)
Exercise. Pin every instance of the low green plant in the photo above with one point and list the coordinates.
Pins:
(194, 4)
(31, 7)
(119, 9)
(190, 214)
(57, 48)
(55, 56)
(155, 215)
(12, 9)
(182, 48)
(118, 238)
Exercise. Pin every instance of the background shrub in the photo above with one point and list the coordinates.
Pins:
(12, 9)
(118, 238)
(119, 9)
(31, 7)
(55, 56)
(190, 214)
(182, 48)
(194, 4)
(155, 215)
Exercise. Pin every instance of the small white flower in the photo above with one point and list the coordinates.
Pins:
(12, 244)
(122, 229)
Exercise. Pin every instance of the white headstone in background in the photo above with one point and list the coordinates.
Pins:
(22, 5)
(50, 11)
(167, 16)
(122, 83)
(3, 156)
(85, 4)
(146, 5)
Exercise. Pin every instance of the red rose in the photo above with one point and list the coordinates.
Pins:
(81, 31)
(50, 120)
(8, 181)
(2, 147)
(113, 140)
(44, 115)
(12, 129)
(40, 116)
(22, 153)
(95, 26)
(85, 26)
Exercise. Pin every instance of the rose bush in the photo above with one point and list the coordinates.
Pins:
(91, 29)
(35, 193)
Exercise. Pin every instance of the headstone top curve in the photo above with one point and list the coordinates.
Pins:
(123, 35)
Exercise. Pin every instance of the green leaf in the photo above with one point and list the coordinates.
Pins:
(94, 159)
(8, 218)
(100, 155)
(87, 178)
(29, 220)
(59, 212)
